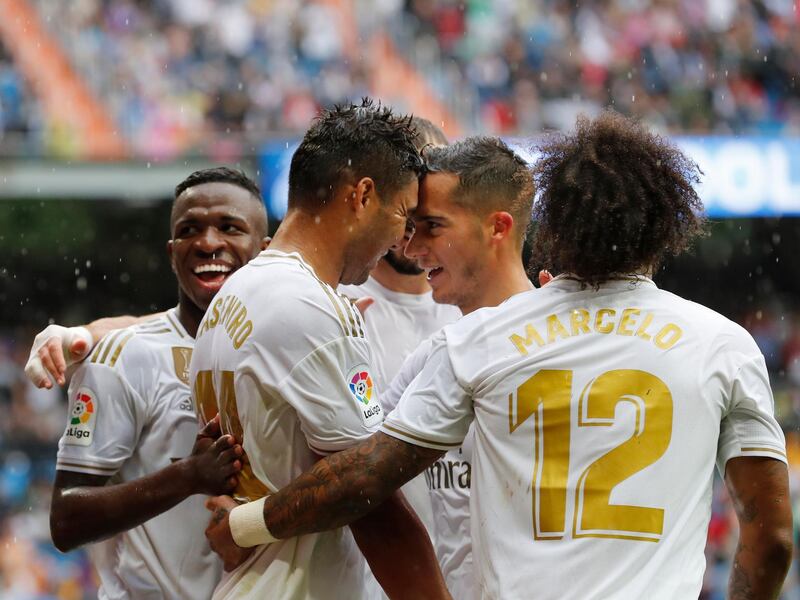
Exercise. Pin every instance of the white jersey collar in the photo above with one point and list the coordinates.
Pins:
(568, 281)
(373, 287)
(171, 317)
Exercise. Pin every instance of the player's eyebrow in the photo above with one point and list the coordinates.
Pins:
(193, 217)
(430, 217)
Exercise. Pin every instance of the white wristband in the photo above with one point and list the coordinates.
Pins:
(247, 525)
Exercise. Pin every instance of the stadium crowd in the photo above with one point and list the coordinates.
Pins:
(173, 72)
(714, 66)
(21, 120)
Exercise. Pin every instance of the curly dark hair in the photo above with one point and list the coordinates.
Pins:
(349, 142)
(615, 200)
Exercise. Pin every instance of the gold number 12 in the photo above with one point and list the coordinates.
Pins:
(546, 397)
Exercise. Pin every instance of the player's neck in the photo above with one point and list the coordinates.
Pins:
(389, 278)
(322, 249)
(189, 314)
(505, 280)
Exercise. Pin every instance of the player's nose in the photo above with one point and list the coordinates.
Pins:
(210, 240)
(414, 247)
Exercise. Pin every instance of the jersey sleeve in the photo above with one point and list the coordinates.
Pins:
(411, 367)
(748, 426)
(103, 423)
(334, 394)
(435, 410)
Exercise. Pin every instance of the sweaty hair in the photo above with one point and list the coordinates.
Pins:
(219, 175)
(428, 134)
(347, 143)
(614, 199)
(491, 177)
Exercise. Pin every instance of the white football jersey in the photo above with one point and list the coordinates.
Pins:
(131, 414)
(448, 481)
(397, 323)
(598, 417)
(285, 361)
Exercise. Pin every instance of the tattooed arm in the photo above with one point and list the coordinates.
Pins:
(356, 487)
(345, 486)
(759, 488)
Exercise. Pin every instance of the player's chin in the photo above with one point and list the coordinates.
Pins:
(205, 290)
(357, 278)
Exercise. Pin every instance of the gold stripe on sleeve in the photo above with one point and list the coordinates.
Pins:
(418, 438)
(122, 343)
(156, 331)
(109, 470)
(360, 321)
(112, 340)
(760, 449)
(349, 308)
(336, 306)
(97, 349)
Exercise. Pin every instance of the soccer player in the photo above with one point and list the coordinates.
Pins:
(126, 467)
(600, 403)
(403, 314)
(473, 214)
(284, 359)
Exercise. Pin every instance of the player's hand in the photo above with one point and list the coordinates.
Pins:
(214, 461)
(219, 534)
(362, 304)
(55, 349)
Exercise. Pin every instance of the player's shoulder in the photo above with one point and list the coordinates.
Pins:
(707, 320)
(721, 338)
(138, 346)
(486, 321)
(294, 298)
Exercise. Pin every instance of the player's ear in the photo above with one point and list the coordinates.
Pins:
(170, 253)
(364, 196)
(502, 225)
(265, 242)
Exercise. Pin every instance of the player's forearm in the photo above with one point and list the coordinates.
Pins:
(101, 327)
(85, 513)
(345, 486)
(759, 488)
(399, 551)
(760, 565)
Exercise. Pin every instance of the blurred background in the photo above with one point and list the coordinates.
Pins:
(106, 104)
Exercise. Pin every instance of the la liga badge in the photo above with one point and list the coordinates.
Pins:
(82, 418)
(362, 388)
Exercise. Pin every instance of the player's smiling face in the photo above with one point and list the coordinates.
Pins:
(448, 242)
(216, 228)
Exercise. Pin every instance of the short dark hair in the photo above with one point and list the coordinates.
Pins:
(428, 134)
(219, 175)
(353, 141)
(491, 177)
(614, 199)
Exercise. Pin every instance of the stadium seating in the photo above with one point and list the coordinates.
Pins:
(191, 76)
